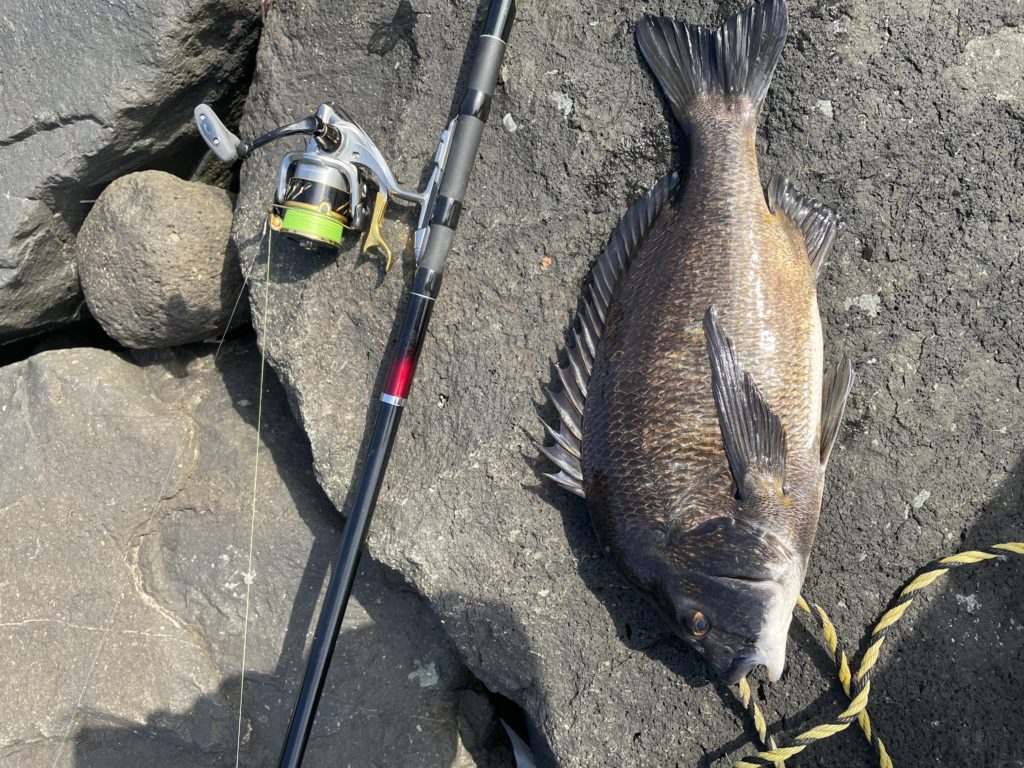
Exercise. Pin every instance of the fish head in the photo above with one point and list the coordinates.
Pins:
(729, 589)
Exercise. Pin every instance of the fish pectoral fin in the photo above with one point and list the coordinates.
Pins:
(836, 390)
(753, 436)
(815, 220)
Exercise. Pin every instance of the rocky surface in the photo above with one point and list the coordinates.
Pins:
(126, 511)
(155, 261)
(91, 91)
(907, 118)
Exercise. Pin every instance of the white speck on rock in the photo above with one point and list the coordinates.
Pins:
(563, 103)
(869, 303)
(508, 123)
(426, 675)
(969, 602)
(921, 498)
(991, 67)
(825, 107)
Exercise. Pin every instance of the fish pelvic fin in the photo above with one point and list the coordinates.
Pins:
(574, 375)
(837, 386)
(702, 69)
(818, 223)
(753, 436)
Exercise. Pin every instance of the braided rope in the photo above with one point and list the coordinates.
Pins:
(859, 687)
(760, 724)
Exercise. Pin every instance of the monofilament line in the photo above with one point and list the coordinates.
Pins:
(109, 625)
(255, 487)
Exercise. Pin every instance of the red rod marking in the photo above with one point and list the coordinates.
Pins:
(400, 376)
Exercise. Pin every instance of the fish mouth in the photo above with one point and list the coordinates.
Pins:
(746, 661)
(758, 583)
(744, 579)
(768, 648)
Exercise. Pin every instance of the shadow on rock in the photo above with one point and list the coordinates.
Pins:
(519, 674)
(362, 690)
(947, 686)
(290, 261)
(367, 715)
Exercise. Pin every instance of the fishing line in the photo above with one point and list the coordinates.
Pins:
(858, 687)
(109, 625)
(249, 575)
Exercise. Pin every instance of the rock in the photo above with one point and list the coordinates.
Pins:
(920, 172)
(155, 260)
(126, 506)
(92, 91)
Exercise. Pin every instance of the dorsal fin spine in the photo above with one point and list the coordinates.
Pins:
(587, 330)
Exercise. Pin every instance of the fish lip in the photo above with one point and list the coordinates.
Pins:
(765, 582)
(743, 664)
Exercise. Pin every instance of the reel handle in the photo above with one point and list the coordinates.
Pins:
(224, 144)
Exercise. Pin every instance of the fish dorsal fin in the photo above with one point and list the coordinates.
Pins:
(836, 390)
(587, 330)
(751, 432)
(817, 221)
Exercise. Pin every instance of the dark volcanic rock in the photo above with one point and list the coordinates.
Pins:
(155, 261)
(907, 119)
(91, 91)
(126, 502)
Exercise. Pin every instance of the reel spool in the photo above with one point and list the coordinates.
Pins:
(316, 207)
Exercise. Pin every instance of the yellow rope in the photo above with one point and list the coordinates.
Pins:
(760, 724)
(858, 687)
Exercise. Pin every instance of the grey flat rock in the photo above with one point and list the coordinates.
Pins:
(126, 504)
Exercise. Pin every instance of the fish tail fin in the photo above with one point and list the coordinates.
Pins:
(703, 69)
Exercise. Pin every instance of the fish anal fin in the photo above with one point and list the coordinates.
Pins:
(835, 392)
(588, 327)
(816, 221)
(752, 434)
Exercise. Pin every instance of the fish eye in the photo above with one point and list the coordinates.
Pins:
(699, 624)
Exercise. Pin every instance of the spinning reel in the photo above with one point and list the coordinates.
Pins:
(340, 182)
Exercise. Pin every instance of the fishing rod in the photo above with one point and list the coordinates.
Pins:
(320, 193)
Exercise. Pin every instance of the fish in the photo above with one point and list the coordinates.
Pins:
(695, 415)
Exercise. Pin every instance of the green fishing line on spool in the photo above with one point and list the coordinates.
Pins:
(312, 224)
